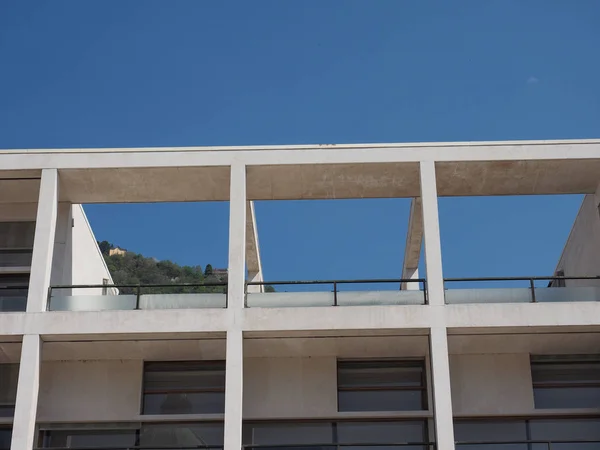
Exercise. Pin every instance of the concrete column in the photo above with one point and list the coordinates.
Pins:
(23, 433)
(253, 262)
(412, 249)
(234, 384)
(431, 225)
(440, 380)
(43, 242)
(62, 258)
(237, 237)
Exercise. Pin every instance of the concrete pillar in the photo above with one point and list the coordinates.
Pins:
(431, 224)
(237, 237)
(440, 380)
(253, 262)
(412, 249)
(236, 299)
(43, 242)
(234, 384)
(23, 433)
(62, 257)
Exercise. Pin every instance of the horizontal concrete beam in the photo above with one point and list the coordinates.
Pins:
(286, 155)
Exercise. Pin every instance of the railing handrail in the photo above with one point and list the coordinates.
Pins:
(534, 441)
(105, 286)
(536, 278)
(351, 444)
(161, 447)
(365, 281)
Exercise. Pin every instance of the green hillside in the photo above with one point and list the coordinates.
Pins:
(133, 269)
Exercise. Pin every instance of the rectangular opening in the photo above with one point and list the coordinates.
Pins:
(189, 387)
(9, 376)
(381, 385)
(566, 381)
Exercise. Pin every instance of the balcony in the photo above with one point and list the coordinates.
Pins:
(137, 297)
(337, 293)
(572, 289)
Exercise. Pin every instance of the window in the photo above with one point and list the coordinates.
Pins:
(350, 435)
(566, 381)
(89, 438)
(563, 434)
(205, 435)
(9, 376)
(385, 385)
(190, 387)
(13, 292)
(182, 435)
(5, 437)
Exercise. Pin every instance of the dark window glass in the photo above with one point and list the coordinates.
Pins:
(565, 430)
(90, 438)
(9, 376)
(182, 435)
(335, 436)
(562, 434)
(381, 386)
(184, 387)
(491, 431)
(565, 382)
(357, 435)
(5, 437)
(13, 292)
(288, 433)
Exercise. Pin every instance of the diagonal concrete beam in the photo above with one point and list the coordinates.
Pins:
(253, 263)
(414, 240)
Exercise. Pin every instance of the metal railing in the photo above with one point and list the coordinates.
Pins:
(335, 283)
(539, 444)
(531, 281)
(136, 289)
(161, 447)
(402, 445)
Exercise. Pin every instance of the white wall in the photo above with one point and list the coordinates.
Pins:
(89, 266)
(83, 391)
(290, 387)
(491, 384)
(581, 255)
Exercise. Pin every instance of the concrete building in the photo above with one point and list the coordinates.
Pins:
(422, 367)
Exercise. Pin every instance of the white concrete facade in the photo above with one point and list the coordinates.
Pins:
(281, 362)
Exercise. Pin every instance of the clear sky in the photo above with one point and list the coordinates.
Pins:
(168, 73)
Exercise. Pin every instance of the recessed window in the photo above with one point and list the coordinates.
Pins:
(181, 435)
(89, 438)
(361, 435)
(553, 433)
(385, 385)
(9, 376)
(566, 381)
(5, 437)
(190, 387)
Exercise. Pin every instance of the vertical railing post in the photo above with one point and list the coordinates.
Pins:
(137, 297)
(335, 301)
(532, 285)
(425, 299)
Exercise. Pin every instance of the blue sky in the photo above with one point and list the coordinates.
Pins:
(150, 73)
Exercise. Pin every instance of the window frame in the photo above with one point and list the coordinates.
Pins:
(565, 360)
(402, 362)
(185, 365)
